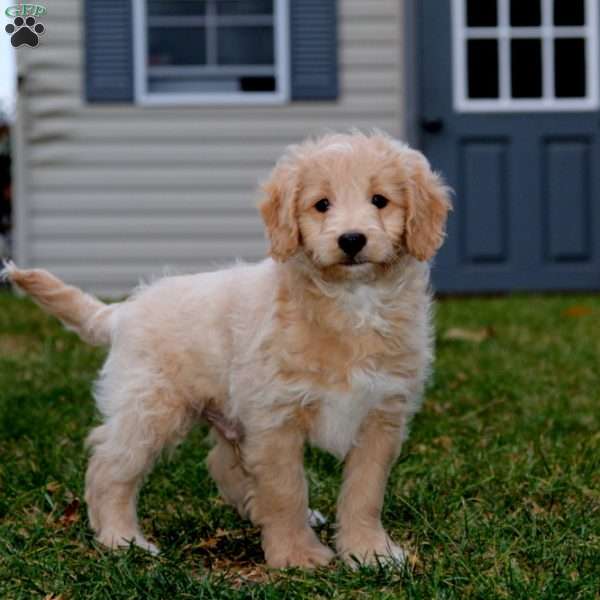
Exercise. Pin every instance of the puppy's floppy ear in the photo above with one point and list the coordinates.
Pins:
(278, 210)
(427, 209)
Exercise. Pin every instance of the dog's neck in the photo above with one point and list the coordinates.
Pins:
(354, 303)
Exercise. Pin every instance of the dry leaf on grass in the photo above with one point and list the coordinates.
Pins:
(221, 535)
(52, 487)
(535, 508)
(469, 335)
(413, 560)
(71, 514)
(212, 542)
(444, 441)
(238, 574)
(577, 311)
(12, 345)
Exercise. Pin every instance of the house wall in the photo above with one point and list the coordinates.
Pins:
(111, 193)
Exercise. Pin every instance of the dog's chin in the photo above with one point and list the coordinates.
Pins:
(358, 270)
(346, 269)
(353, 270)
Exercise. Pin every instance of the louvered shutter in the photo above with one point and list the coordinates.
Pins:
(314, 49)
(109, 51)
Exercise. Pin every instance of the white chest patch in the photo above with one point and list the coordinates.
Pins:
(341, 414)
(365, 304)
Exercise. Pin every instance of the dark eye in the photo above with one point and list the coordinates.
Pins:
(322, 205)
(379, 201)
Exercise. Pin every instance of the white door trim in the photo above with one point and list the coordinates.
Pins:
(504, 32)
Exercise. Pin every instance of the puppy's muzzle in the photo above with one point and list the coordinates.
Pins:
(352, 242)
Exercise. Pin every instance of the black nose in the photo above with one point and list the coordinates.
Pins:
(352, 242)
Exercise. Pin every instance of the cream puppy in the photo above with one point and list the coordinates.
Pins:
(328, 342)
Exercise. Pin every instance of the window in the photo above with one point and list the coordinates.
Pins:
(525, 55)
(211, 51)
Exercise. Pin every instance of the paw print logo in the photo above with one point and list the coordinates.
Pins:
(25, 32)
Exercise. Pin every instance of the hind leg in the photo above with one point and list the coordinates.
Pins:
(124, 450)
(226, 469)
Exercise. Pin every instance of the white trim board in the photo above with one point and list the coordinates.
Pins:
(547, 32)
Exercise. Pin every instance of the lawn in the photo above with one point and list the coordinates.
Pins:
(496, 494)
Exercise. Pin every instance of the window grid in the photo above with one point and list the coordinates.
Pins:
(504, 33)
(211, 20)
(202, 20)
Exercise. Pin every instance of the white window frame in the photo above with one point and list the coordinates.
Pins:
(145, 97)
(547, 32)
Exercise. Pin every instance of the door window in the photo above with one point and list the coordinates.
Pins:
(525, 55)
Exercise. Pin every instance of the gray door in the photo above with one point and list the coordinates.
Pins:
(509, 113)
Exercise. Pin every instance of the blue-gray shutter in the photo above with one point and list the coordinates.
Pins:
(109, 50)
(314, 49)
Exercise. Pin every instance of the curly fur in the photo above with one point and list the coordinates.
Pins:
(303, 348)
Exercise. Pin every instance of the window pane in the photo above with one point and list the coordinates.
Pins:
(202, 85)
(569, 68)
(483, 68)
(177, 46)
(526, 68)
(569, 12)
(245, 7)
(176, 7)
(482, 13)
(525, 13)
(245, 45)
(257, 84)
(225, 84)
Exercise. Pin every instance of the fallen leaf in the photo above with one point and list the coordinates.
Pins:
(575, 312)
(469, 335)
(52, 487)
(239, 575)
(413, 560)
(208, 543)
(444, 441)
(71, 514)
(536, 509)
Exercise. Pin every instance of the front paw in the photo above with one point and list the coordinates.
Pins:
(369, 547)
(295, 549)
(114, 540)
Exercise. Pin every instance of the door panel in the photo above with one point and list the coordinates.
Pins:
(517, 138)
(567, 189)
(484, 173)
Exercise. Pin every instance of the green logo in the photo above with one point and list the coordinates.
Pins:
(26, 10)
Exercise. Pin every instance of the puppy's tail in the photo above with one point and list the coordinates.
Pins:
(78, 311)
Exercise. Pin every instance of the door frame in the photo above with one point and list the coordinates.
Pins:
(412, 29)
(411, 65)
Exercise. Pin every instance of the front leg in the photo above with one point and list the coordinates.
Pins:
(278, 498)
(361, 536)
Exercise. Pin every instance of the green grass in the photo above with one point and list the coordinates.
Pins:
(496, 494)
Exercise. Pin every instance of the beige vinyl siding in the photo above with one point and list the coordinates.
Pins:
(114, 193)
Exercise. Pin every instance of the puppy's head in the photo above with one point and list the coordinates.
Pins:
(353, 203)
